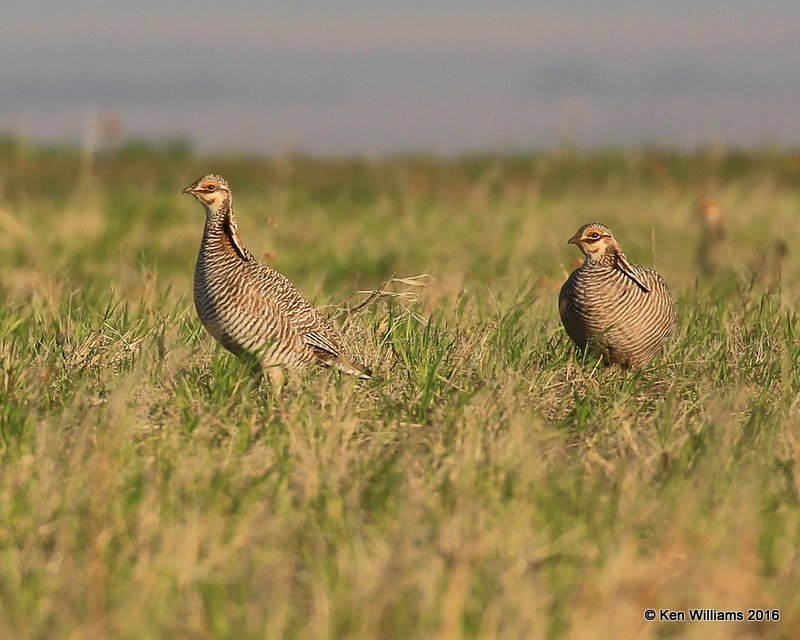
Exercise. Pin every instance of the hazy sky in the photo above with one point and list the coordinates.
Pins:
(448, 76)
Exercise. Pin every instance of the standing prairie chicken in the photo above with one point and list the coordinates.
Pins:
(621, 310)
(250, 308)
(710, 248)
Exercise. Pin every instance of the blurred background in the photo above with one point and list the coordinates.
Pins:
(385, 77)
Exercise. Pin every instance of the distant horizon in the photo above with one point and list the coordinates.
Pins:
(390, 77)
(81, 144)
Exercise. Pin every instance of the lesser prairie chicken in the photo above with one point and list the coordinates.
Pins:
(711, 246)
(252, 309)
(620, 310)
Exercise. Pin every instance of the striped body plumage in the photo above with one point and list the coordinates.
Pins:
(250, 308)
(621, 310)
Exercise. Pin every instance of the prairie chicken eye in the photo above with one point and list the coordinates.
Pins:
(594, 235)
(211, 187)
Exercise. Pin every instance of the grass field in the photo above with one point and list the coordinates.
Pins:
(487, 483)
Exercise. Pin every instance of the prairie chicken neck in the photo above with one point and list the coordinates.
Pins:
(621, 310)
(250, 308)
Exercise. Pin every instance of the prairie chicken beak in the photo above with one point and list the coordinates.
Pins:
(188, 189)
(573, 240)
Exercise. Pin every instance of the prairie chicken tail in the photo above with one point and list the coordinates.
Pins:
(351, 368)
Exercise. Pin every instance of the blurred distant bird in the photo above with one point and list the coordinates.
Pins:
(712, 235)
(250, 308)
(622, 311)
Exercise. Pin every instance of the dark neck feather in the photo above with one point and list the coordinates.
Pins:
(622, 264)
(232, 233)
(225, 227)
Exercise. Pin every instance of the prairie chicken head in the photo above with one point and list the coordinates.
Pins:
(213, 192)
(597, 243)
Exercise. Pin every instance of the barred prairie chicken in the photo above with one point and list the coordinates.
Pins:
(250, 308)
(621, 310)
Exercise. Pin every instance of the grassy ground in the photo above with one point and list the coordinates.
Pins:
(486, 484)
